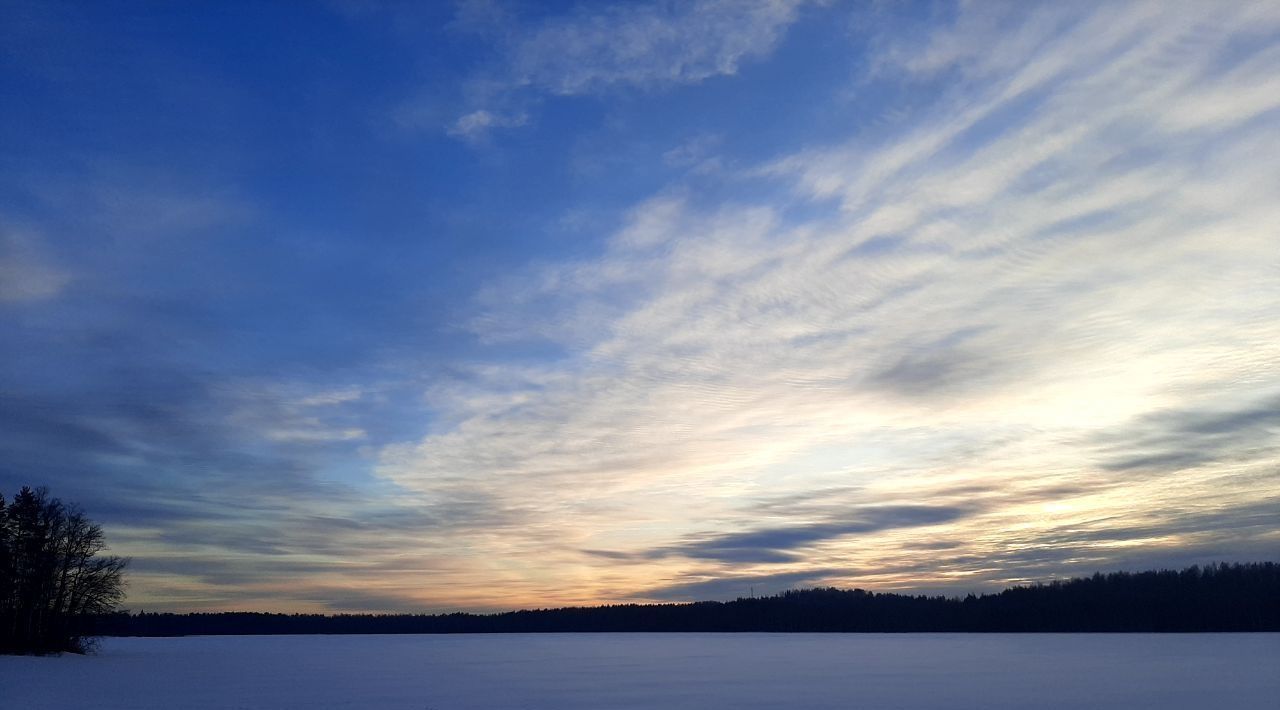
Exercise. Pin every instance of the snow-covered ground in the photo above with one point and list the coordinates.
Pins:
(604, 671)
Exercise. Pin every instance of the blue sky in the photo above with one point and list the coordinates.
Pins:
(378, 306)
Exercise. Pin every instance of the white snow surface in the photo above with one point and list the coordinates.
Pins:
(668, 671)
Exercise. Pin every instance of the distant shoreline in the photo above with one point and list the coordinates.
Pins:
(1241, 597)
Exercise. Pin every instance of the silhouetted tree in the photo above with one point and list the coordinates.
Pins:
(53, 582)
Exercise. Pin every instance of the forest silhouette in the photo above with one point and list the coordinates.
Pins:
(1217, 597)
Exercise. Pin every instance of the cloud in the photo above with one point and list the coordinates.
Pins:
(1022, 323)
(307, 416)
(597, 48)
(155, 211)
(697, 154)
(1189, 438)
(781, 544)
(648, 44)
(215, 486)
(148, 390)
(971, 296)
(26, 275)
(477, 124)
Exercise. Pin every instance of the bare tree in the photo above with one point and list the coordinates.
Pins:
(53, 580)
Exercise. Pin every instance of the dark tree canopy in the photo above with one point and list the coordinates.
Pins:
(1219, 597)
(53, 581)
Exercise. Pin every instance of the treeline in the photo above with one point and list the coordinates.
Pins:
(1220, 597)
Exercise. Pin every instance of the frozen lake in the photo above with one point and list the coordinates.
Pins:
(604, 671)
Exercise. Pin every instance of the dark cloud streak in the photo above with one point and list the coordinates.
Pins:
(1180, 439)
(779, 545)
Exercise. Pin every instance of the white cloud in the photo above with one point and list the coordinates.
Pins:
(477, 124)
(647, 45)
(972, 314)
(601, 47)
(697, 154)
(291, 414)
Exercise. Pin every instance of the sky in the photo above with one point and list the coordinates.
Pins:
(363, 306)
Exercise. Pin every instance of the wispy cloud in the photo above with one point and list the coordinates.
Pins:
(1180, 439)
(477, 124)
(996, 302)
(647, 45)
(25, 273)
(597, 48)
(310, 416)
(1068, 242)
(783, 543)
